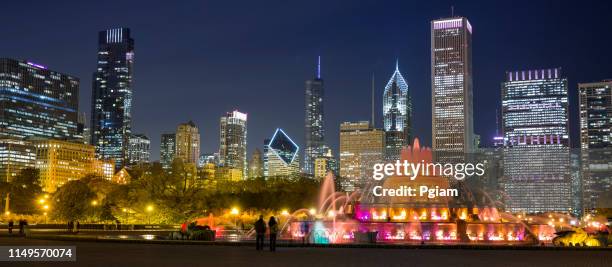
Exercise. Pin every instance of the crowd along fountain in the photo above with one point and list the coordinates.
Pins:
(362, 217)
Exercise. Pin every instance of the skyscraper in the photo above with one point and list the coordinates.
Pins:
(111, 118)
(188, 142)
(256, 164)
(233, 141)
(397, 114)
(595, 101)
(36, 101)
(167, 149)
(595, 114)
(281, 155)
(139, 150)
(451, 88)
(536, 135)
(361, 146)
(313, 124)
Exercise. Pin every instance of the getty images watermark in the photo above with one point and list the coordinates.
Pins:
(412, 170)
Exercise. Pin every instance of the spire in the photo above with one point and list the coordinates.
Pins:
(373, 123)
(319, 68)
(397, 64)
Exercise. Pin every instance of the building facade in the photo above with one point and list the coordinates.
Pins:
(61, 161)
(139, 150)
(167, 149)
(535, 121)
(451, 82)
(361, 146)
(595, 103)
(15, 155)
(111, 118)
(188, 142)
(314, 123)
(256, 164)
(233, 141)
(281, 155)
(326, 164)
(397, 115)
(37, 101)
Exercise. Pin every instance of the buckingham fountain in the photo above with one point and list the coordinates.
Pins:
(360, 217)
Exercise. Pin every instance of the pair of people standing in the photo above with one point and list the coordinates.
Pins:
(260, 230)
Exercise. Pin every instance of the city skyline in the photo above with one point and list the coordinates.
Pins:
(356, 91)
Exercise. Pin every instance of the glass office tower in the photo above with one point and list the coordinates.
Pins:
(595, 101)
(112, 95)
(233, 141)
(37, 101)
(313, 124)
(397, 115)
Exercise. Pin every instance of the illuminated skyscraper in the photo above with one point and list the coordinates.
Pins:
(595, 114)
(139, 150)
(167, 149)
(281, 155)
(451, 83)
(361, 146)
(233, 141)
(36, 101)
(397, 114)
(111, 118)
(188, 143)
(313, 125)
(596, 143)
(536, 135)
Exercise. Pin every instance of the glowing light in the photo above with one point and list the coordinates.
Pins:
(312, 211)
(41, 201)
(234, 211)
(149, 208)
(46, 207)
(94, 202)
(331, 213)
(285, 213)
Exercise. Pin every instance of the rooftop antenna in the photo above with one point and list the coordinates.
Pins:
(319, 68)
(373, 124)
(496, 122)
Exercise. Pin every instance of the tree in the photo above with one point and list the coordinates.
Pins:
(72, 201)
(24, 191)
(106, 214)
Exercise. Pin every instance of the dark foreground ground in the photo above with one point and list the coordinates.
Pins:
(151, 255)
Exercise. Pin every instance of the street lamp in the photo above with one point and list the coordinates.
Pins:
(94, 203)
(149, 210)
(235, 211)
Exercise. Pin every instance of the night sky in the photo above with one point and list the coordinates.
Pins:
(196, 60)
